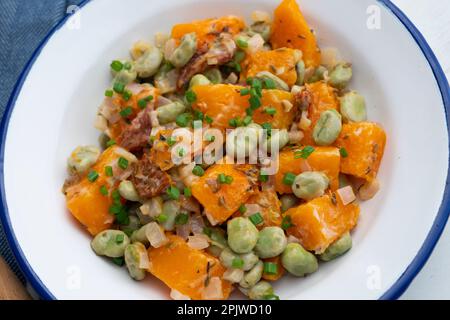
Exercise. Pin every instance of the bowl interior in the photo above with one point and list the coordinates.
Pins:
(56, 108)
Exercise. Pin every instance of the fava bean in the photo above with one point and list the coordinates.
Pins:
(214, 75)
(298, 261)
(110, 243)
(184, 52)
(140, 235)
(82, 158)
(128, 191)
(341, 75)
(249, 259)
(199, 80)
(134, 254)
(148, 63)
(353, 107)
(279, 84)
(242, 235)
(327, 128)
(318, 74)
(170, 211)
(260, 291)
(126, 76)
(271, 242)
(169, 112)
(338, 248)
(309, 185)
(253, 276)
(301, 70)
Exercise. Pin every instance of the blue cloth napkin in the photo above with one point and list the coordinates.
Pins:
(23, 25)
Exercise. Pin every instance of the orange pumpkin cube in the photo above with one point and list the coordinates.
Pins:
(321, 221)
(187, 270)
(280, 269)
(270, 206)
(364, 143)
(84, 199)
(223, 102)
(324, 159)
(291, 30)
(222, 200)
(281, 62)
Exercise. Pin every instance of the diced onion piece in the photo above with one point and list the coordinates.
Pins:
(212, 61)
(108, 110)
(329, 57)
(161, 39)
(139, 48)
(233, 275)
(154, 119)
(134, 88)
(198, 241)
(252, 208)
(232, 78)
(155, 235)
(101, 123)
(183, 231)
(295, 90)
(260, 16)
(287, 105)
(346, 194)
(197, 224)
(292, 239)
(177, 295)
(305, 122)
(295, 137)
(152, 207)
(169, 48)
(144, 262)
(369, 189)
(255, 43)
(214, 289)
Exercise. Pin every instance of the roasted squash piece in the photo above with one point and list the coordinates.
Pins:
(281, 62)
(320, 97)
(207, 30)
(160, 153)
(223, 102)
(324, 159)
(270, 207)
(320, 222)
(364, 143)
(84, 199)
(188, 270)
(291, 30)
(280, 269)
(222, 200)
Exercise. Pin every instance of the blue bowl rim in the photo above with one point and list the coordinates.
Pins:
(394, 292)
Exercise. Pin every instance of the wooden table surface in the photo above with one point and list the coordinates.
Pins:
(432, 18)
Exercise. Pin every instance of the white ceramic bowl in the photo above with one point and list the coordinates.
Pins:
(53, 107)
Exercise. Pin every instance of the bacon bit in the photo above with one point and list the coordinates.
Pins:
(148, 179)
(135, 136)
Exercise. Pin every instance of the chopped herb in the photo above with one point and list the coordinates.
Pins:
(271, 297)
(119, 238)
(268, 127)
(198, 171)
(116, 196)
(181, 218)
(270, 268)
(123, 163)
(245, 91)
(181, 152)
(142, 103)
(241, 43)
(304, 153)
(183, 120)
(249, 112)
(256, 218)
(237, 263)
(109, 171)
(207, 231)
(343, 152)
(263, 177)
(255, 102)
(109, 93)
(247, 120)
(127, 65)
(126, 112)
(242, 209)
(161, 218)
(286, 223)
(269, 84)
(210, 138)
(104, 190)
(117, 66)
(171, 141)
(127, 95)
(270, 111)
(187, 192)
(173, 193)
(118, 261)
(221, 178)
(234, 122)
(289, 178)
(119, 87)
(208, 119)
(228, 179)
(239, 56)
(92, 176)
(111, 142)
(198, 115)
(190, 96)
(197, 124)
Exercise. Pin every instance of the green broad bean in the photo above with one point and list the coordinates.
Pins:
(253, 276)
(199, 80)
(170, 211)
(327, 128)
(133, 255)
(309, 185)
(184, 52)
(214, 75)
(341, 75)
(279, 138)
(242, 235)
(279, 84)
(148, 64)
(298, 261)
(110, 243)
(227, 257)
(128, 191)
(169, 112)
(140, 235)
(249, 259)
(338, 248)
(301, 70)
(82, 158)
(126, 76)
(271, 242)
(260, 290)
(288, 201)
(353, 107)
(318, 74)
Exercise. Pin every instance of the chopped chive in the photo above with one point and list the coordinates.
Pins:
(270, 268)
(263, 177)
(181, 218)
(228, 179)
(110, 143)
(119, 87)
(117, 66)
(270, 111)
(241, 43)
(247, 120)
(268, 127)
(207, 231)
(142, 103)
(208, 119)
(92, 176)
(286, 223)
(289, 178)
(118, 261)
(183, 119)
(109, 93)
(221, 178)
(173, 193)
(249, 112)
(237, 263)
(235, 122)
(127, 95)
(198, 115)
(198, 171)
(190, 96)
(104, 190)
(123, 163)
(245, 91)
(161, 218)
(127, 65)
(149, 98)
(126, 112)
(256, 218)
(255, 102)
(343, 152)
(116, 196)
(171, 141)
(181, 152)
(239, 56)
(120, 238)
(304, 153)
(210, 138)
(109, 171)
(242, 208)
(197, 124)
(187, 192)
(271, 297)
(269, 84)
